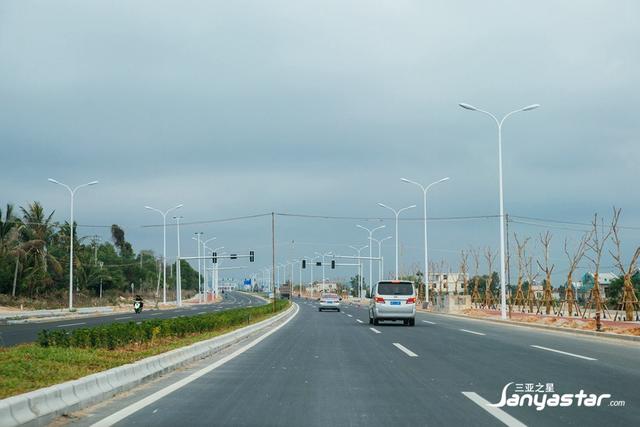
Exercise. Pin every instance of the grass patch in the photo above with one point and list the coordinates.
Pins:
(28, 367)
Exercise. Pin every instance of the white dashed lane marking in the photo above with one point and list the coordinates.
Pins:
(472, 332)
(405, 350)
(71, 324)
(563, 352)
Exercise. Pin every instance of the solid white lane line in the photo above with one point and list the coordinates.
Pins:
(375, 330)
(122, 318)
(202, 312)
(135, 407)
(431, 323)
(359, 321)
(405, 350)
(349, 315)
(472, 332)
(156, 314)
(496, 412)
(563, 352)
(71, 324)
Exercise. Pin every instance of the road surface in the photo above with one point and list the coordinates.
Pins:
(329, 368)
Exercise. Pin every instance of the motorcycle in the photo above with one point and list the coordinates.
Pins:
(137, 306)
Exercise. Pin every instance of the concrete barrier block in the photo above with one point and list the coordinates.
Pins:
(20, 410)
(6, 419)
(67, 394)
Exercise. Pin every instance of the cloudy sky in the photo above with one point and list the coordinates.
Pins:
(320, 107)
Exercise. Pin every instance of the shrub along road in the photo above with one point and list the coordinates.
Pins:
(28, 332)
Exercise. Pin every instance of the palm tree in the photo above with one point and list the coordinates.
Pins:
(36, 233)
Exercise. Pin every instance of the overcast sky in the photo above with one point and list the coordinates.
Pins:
(320, 107)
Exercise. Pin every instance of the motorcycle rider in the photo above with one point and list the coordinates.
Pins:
(138, 304)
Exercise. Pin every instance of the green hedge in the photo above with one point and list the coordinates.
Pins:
(116, 335)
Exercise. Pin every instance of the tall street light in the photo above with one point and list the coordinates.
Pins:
(178, 262)
(360, 268)
(323, 255)
(503, 297)
(370, 253)
(73, 193)
(397, 214)
(426, 259)
(215, 272)
(380, 261)
(204, 265)
(164, 246)
(197, 239)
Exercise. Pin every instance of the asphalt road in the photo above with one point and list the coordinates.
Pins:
(28, 332)
(334, 368)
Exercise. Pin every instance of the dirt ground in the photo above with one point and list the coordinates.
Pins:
(608, 325)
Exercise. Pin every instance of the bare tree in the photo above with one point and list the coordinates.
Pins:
(464, 270)
(530, 299)
(521, 251)
(489, 298)
(547, 298)
(475, 295)
(574, 259)
(628, 300)
(596, 245)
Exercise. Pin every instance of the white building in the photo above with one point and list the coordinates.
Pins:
(448, 283)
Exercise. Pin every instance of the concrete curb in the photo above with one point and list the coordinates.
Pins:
(39, 407)
(18, 316)
(545, 327)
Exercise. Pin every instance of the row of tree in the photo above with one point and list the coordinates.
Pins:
(34, 259)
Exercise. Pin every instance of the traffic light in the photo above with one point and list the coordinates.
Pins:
(304, 263)
(251, 256)
(318, 263)
(333, 263)
(234, 256)
(214, 257)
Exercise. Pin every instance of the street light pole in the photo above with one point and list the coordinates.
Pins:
(370, 253)
(197, 239)
(178, 262)
(503, 297)
(397, 214)
(164, 247)
(73, 193)
(204, 265)
(360, 267)
(426, 259)
(381, 261)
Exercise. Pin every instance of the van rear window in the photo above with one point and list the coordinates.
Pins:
(395, 288)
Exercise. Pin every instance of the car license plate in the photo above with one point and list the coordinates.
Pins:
(395, 302)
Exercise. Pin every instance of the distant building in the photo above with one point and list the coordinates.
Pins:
(604, 280)
(448, 283)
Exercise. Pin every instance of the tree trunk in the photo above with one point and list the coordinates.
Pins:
(15, 277)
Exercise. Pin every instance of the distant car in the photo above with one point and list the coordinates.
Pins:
(329, 302)
(393, 300)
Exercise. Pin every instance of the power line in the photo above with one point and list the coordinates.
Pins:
(365, 218)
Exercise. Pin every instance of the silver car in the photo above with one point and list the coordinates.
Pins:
(329, 302)
(393, 300)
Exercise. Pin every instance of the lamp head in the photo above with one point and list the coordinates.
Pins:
(467, 106)
(530, 107)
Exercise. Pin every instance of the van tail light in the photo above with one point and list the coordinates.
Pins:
(411, 300)
(380, 299)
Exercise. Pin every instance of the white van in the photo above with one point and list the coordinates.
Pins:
(393, 300)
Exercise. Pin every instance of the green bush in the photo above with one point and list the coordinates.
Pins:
(117, 335)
